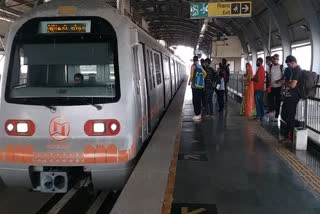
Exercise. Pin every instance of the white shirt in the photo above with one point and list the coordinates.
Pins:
(221, 86)
(276, 74)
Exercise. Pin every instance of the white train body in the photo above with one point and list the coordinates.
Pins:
(57, 127)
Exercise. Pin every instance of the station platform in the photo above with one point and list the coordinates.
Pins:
(225, 164)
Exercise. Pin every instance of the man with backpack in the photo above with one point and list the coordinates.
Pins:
(276, 75)
(197, 82)
(291, 96)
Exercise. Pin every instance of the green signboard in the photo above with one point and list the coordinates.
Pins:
(199, 10)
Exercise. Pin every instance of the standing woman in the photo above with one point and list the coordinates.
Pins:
(248, 104)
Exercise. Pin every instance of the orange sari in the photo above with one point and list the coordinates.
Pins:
(248, 105)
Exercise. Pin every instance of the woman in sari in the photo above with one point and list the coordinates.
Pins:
(248, 103)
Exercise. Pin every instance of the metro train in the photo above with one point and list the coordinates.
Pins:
(82, 90)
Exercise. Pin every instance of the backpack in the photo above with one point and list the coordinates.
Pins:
(281, 68)
(198, 77)
(307, 84)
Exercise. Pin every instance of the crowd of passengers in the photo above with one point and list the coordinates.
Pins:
(205, 80)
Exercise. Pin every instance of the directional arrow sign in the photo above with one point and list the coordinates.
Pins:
(221, 9)
(245, 8)
(199, 10)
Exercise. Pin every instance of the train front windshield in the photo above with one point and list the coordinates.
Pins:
(63, 63)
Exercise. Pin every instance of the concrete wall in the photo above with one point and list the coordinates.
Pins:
(126, 9)
(235, 62)
(229, 49)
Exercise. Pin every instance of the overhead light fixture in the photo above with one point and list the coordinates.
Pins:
(277, 36)
(6, 19)
(10, 11)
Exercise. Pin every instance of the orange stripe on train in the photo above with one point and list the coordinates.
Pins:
(91, 155)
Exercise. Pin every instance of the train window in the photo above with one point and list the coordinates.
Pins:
(149, 70)
(158, 68)
(166, 67)
(152, 70)
(58, 69)
(136, 69)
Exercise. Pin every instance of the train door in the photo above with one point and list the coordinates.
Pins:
(167, 80)
(152, 93)
(159, 83)
(142, 88)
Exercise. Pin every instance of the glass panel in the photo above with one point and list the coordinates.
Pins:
(152, 71)
(303, 55)
(158, 68)
(75, 67)
(149, 70)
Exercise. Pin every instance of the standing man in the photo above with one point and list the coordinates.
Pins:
(268, 81)
(258, 80)
(276, 75)
(226, 70)
(291, 96)
(197, 82)
(210, 86)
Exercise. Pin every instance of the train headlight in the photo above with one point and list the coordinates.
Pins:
(98, 127)
(113, 127)
(10, 127)
(108, 127)
(22, 127)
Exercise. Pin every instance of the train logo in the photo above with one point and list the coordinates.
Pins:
(59, 129)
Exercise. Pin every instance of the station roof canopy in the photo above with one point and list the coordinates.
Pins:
(169, 20)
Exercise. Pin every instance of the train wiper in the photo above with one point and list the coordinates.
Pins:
(52, 108)
(19, 86)
(83, 100)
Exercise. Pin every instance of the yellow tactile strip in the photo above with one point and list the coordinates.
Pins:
(166, 208)
(308, 175)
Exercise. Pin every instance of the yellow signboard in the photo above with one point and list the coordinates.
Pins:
(230, 9)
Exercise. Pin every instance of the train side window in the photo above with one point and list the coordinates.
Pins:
(158, 68)
(152, 70)
(136, 67)
(149, 70)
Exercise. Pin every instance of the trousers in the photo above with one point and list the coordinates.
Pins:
(275, 100)
(197, 100)
(288, 113)
(209, 101)
(258, 95)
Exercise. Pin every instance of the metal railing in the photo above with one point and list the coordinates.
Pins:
(313, 112)
(236, 84)
(308, 111)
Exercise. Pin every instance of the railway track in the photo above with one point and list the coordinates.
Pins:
(80, 200)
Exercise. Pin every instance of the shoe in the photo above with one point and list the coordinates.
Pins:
(197, 118)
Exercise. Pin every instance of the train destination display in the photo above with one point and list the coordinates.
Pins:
(77, 26)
